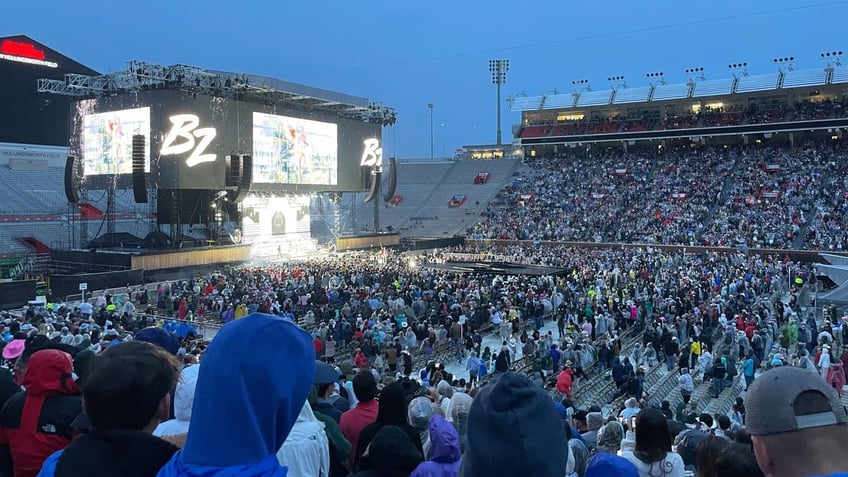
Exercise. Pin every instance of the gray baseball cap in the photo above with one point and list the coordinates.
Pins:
(787, 399)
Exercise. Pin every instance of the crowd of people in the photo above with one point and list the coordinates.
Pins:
(108, 414)
(123, 387)
(708, 117)
(757, 196)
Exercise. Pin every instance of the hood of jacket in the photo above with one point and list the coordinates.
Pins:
(50, 371)
(444, 440)
(394, 454)
(513, 426)
(392, 407)
(184, 395)
(257, 371)
(177, 467)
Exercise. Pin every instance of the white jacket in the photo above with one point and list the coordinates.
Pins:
(686, 384)
(183, 403)
(824, 359)
(670, 466)
(306, 451)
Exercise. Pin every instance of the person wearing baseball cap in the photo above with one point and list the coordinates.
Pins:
(328, 403)
(325, 378)
(797, 424)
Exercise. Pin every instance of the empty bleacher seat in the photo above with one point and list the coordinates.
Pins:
(765, 82)
(670, 91)
(559, 101)
(840, 74)
(632, 95)
(713, 87)
(34, 192)
(526, 103)
(594, 98)
(814, 77)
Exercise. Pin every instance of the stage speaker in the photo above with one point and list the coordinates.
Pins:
(245, 182)
(72, 179)
(139, 181)
(374, 190)
(234, 170)
(392, 185)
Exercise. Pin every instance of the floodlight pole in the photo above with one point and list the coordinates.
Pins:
(498, 68)
(430, 106)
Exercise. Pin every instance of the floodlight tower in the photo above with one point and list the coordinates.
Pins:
(498, 68)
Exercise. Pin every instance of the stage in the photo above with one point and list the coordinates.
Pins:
(151, 259)
(498, 268)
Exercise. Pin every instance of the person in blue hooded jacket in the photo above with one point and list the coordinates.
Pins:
(445, 453)
(255, 377)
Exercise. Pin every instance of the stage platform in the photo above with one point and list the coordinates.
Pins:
(498, 268)
(151, 260)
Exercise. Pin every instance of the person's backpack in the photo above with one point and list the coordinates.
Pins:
(731, 372)
(719, 370)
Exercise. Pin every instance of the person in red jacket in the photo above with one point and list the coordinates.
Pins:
(565, 380)
(37, 422)
(360, 360)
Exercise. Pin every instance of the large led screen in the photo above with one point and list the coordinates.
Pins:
(107, 141)
(290, 150)
(189, 137)
(264, 217)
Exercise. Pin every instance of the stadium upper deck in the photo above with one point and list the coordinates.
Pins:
(783, 102)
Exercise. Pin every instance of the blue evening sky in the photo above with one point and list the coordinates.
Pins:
(407, 54)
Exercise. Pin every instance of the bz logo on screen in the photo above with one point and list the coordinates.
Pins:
(372, 155)
(185, 136)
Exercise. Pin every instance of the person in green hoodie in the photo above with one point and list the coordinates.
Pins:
(793, 333)
(339, 446)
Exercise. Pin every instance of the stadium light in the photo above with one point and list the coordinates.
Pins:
(581, 85)
(657, 76)
(696, 73)
(787, 61)
(833, 58)
(617, 81)
(739, 68)
(499, 68)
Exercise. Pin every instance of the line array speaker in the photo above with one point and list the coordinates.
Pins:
(234, 170)
(139, 181)
(72, 179)
(245, 182)
(392, 185)
(374, 190)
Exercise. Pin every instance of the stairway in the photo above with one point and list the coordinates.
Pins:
(798, 243)
(722, 198)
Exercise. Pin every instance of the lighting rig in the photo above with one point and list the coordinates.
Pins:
(142, 76)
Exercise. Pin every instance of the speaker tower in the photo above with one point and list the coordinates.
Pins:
(139, 179)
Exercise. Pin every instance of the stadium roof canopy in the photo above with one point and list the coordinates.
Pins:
(140, 76)
(696, 89)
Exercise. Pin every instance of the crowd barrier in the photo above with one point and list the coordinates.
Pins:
(811, 256)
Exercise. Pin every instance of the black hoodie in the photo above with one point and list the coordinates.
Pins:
(392, 411)
(127, 453)
(392, 454)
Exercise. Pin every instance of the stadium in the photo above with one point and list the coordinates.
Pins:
(634, 252)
